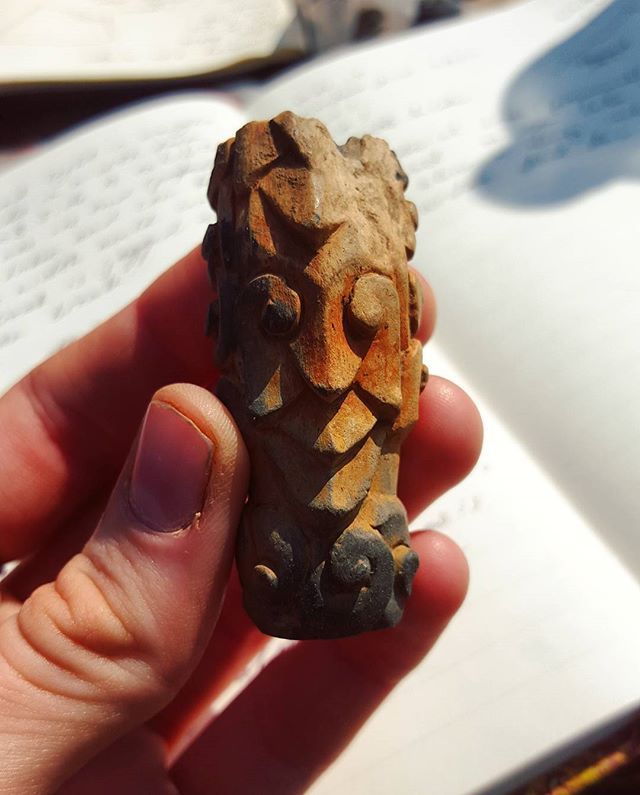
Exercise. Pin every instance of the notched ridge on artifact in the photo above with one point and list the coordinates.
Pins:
(321, 369)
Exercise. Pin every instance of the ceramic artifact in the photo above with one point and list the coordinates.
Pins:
(315, 322)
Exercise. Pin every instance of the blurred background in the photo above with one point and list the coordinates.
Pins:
(64, 61)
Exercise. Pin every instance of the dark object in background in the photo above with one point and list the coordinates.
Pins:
(432, 10)
(369, 24)
(317, 318)
(330, 23)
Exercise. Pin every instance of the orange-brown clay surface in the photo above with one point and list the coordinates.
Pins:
(316, 316)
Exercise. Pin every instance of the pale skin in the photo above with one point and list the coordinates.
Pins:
(115, 637)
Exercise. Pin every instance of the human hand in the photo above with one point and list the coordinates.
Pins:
(114, 638)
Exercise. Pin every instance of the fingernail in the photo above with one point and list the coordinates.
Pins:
(171, 470)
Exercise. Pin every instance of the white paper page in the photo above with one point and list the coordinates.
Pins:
(115, 39)
(519, 133)
(542, 651)
(539, 310)
(89, 222)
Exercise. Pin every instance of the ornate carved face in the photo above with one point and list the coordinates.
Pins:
(317, 312)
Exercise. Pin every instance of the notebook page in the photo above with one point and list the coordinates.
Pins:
(116, 39)
(540, 653)
(89, 222)
(519, 133)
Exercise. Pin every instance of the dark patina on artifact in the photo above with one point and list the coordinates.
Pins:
(315, 323)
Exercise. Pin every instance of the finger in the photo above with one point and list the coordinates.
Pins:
(235, 642)
(68, 424)
(442, 447)
(300, 712)
(111, 641)
(134, 765)
(9, 605)
(44, 565)
(428, 314)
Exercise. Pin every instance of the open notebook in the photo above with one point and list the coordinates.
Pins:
(44, 41)
(519, 132)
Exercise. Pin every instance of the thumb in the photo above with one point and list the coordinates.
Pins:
(111, 641)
